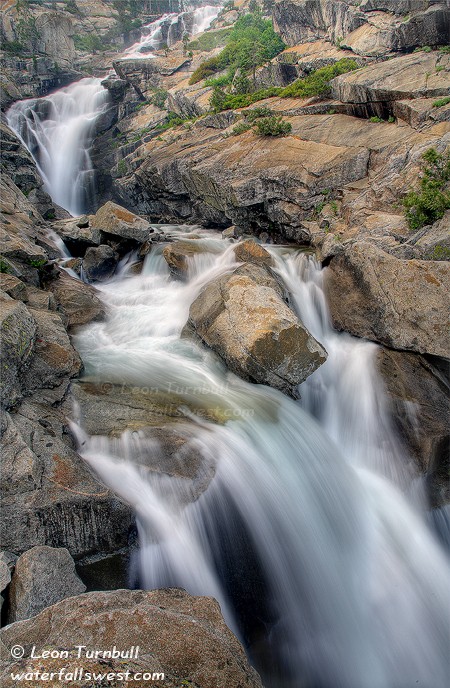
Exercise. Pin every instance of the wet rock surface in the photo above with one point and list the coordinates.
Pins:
(248, 324)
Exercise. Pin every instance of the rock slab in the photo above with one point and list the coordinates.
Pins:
(400, 303)
(181, 636)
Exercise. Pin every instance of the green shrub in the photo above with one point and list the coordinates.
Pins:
(250, 43)
(240, 128)
(122, 167)
(318, 83)
(272, 126)
(445, 49)
(219, 81)
(13, 47)
(257, 113)
(91, 43)
(441, 102)
(439, 252)
(315, 84)
(210, 40)
(4, 266)
(159, 98)
(376, 120)
(429, 203)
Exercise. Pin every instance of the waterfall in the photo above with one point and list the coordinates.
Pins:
(170, 28)
(309, 533)
(204, 17)
(58, 130)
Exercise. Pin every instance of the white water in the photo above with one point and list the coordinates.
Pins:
(58, 131)
(169, 28)
(310, 535)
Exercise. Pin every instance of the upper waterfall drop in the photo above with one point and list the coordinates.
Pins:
(58, 130)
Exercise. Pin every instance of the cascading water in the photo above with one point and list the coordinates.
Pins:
(307, 533)
(58, 131)
(170, 28)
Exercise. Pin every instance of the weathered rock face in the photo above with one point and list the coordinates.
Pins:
(418, 393)
(399, 303)
(411, 76)
(181, 636)
(48, 495)
(247, 323)
(18, 332)
(99, 263)
(42, 577)
(78, 301)
(368, 28)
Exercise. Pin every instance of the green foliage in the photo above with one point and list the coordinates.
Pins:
(173, 120)
(257, 113)
(4, 266)
(439, 252)
(38, 263)
(429, 203)
(89, 43)
(376, 120)
(272, 126)
(122, 167)
(219, 81)
(441, 102)
(13, 47)
(445, 49)
(159, 98)
(210, 40)
(318, 83)
(423, 49)
(241, 128)
(315, 84)
(251, 42)
(72, 7)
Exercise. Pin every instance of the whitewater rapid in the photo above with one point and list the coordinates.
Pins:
(312, 533)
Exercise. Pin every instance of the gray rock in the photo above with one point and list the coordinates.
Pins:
(244, 319)
(78, 300)
(99, 264)
(17, 335)
(409, 76)
(182, 636)
(418, 394)
(42, 577)
(400, 303)
(48, 495)
(54, 356)
(120, 222)
(5, 575)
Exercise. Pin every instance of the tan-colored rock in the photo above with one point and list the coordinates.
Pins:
(177, 256)
(401, 303)
(54, 356)
(248, 324)
(114, 219)
(78, 300)
(42, 577)
(183, 637)
(251, 252)
(408, 76)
